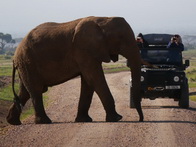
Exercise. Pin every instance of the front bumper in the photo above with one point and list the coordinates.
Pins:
(161, 83)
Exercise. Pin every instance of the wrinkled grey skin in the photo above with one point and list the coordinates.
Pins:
(53, 53)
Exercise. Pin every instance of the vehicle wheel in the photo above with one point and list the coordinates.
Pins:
(131, 99)
(184, 96)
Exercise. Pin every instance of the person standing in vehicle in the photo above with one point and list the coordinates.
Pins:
(176, 42)
(141, 42)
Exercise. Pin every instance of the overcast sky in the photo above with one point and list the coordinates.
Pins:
(18, 17)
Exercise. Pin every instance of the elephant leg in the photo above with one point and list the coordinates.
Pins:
(34, 84)
(40, 114)
(84, 102)
(95, 77)
(14, 112)
(137, 101)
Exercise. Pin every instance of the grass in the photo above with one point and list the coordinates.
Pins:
(5, 65)
(4, 58)
(193, 98)
(117, 69)
(191, 70)
(189, 54)
(6, 92)
(191, 74)
(6, 70)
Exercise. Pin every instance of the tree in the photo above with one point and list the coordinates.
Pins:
(4, 39)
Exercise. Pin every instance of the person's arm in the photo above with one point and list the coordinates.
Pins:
(169, 44)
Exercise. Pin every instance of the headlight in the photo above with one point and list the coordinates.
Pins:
(142, 78)
(176, 79)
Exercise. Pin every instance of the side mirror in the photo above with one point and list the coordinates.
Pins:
(187, 63)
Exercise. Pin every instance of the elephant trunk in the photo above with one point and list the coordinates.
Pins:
(136, 88)
(134, 59)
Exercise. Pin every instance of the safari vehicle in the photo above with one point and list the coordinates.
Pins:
(166, 79)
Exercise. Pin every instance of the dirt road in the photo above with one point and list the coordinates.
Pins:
(165, 124)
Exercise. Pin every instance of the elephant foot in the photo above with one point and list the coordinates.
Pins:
(83, 119)
(43, 120)
(141, 119)
(113, 118)
(13, 121)
(13, 116)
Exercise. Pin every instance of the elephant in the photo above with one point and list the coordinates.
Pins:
(53, 53)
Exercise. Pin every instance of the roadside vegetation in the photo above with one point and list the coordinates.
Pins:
(191, 72)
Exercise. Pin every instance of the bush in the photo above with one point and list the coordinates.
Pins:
(7, 57)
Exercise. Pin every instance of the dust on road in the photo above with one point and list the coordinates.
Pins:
(165, 124)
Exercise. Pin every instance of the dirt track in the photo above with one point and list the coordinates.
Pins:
(165, 124)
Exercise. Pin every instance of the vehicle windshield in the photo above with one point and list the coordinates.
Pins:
(162, 56)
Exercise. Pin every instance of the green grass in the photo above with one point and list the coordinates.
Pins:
(6, 92)
(5, 57)
(5, 60)
(191, 70)
(192, 85)
(189, 54)
(192, 98)
(191, 74)
(6, 70)
(117, 69)
(5, 65)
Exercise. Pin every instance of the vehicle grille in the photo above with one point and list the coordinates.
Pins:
(158, 78)
(161, 77)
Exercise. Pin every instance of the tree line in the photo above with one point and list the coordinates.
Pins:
(4, 40)
(8, 44)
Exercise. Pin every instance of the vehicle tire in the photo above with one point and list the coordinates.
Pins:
(184, 95)
(131, 99)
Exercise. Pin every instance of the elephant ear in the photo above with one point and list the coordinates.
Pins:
(89, 39)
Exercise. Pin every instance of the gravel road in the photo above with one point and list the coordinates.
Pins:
(165, 124)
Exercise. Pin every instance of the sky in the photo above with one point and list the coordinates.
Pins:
(18, 17)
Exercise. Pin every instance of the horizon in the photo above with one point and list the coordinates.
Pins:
(151, 16)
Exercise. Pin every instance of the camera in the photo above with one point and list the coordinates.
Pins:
(173, 39)
(138, 38)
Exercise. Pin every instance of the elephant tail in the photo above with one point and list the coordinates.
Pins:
(16, 97)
